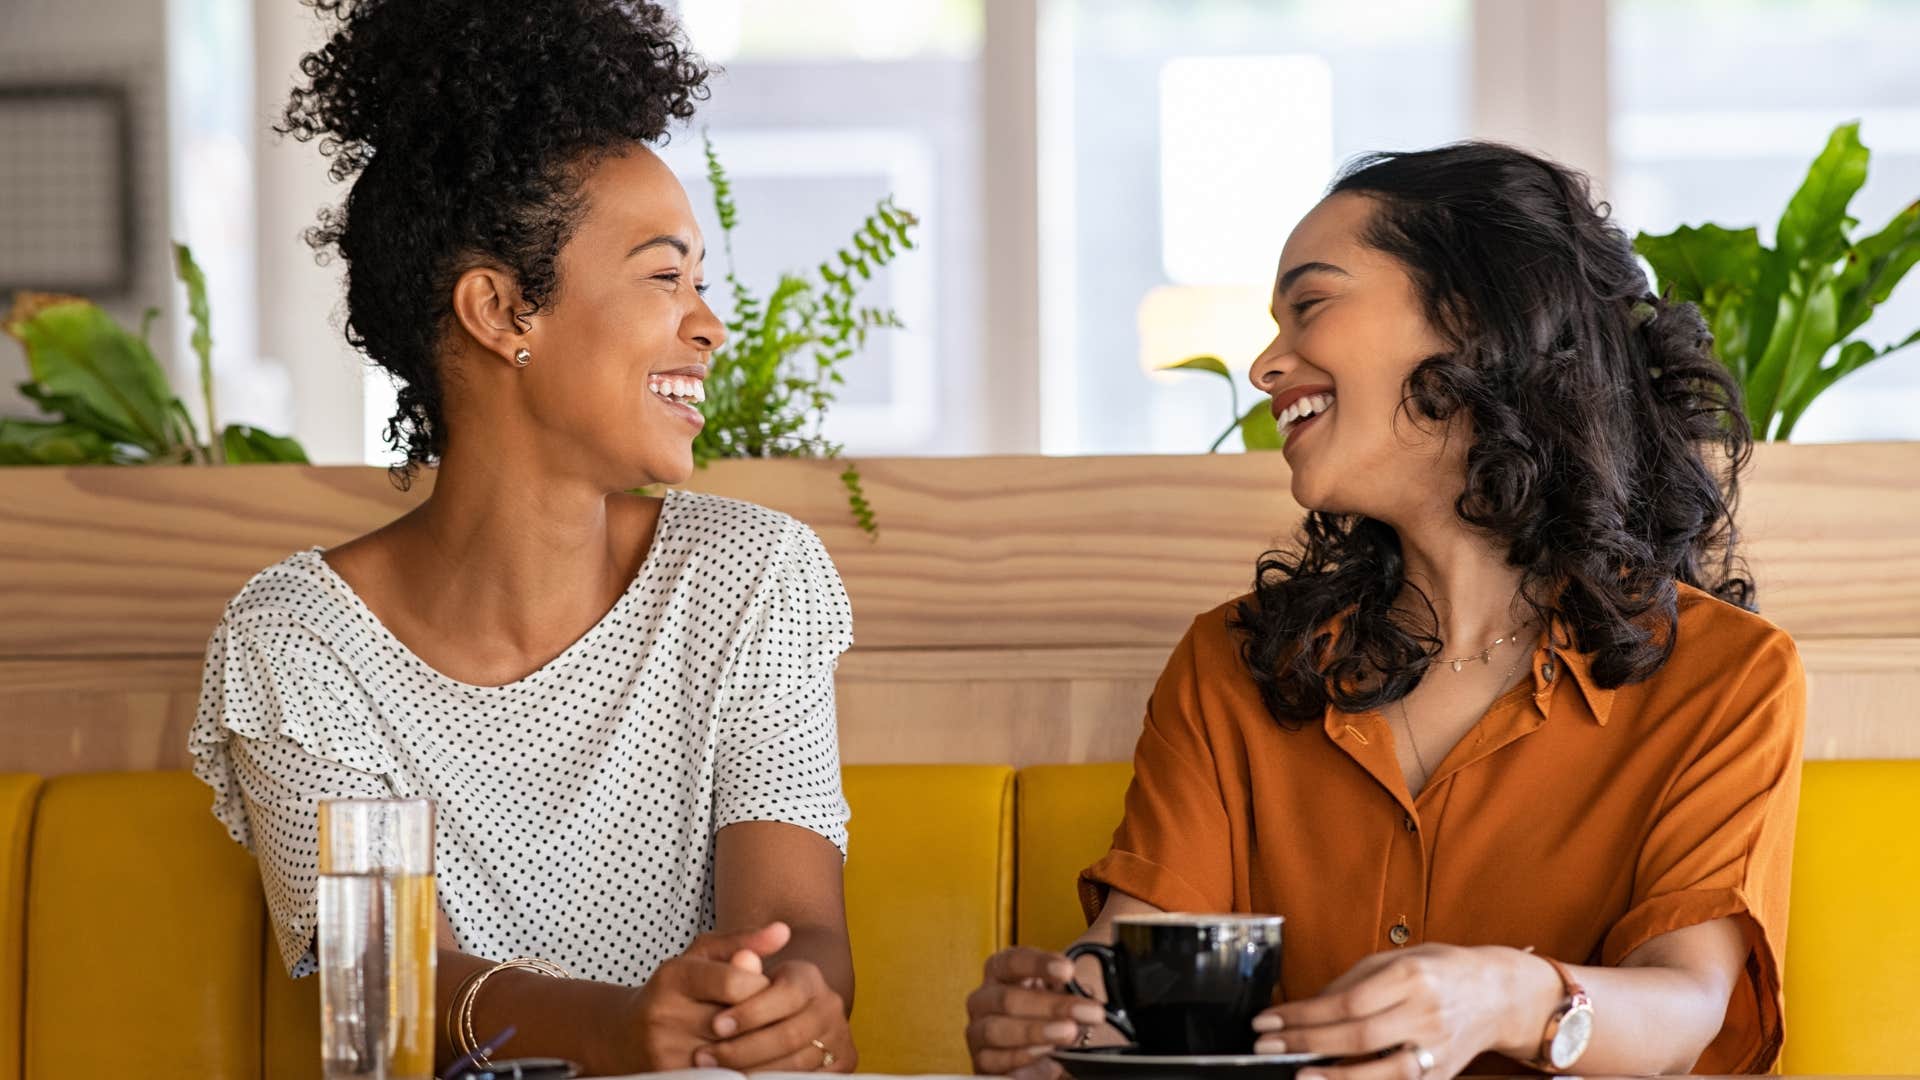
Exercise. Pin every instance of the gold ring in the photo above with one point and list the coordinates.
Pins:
(826, 1056)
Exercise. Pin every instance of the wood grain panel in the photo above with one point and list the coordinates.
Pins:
(141, 560)
(982, 706)
(997, 552)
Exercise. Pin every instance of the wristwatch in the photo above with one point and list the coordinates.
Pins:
(1570, 1028)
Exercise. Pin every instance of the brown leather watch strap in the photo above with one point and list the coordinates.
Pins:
(1577, 1002)
(1574, 989)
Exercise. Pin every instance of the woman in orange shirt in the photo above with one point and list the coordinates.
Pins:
(1506, 701)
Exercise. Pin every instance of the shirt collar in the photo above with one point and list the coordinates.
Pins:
(1556, 657)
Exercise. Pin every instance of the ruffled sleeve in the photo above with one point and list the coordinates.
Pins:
(282, 725)
(777, 750)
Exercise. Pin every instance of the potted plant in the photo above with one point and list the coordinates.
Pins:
(107, 394)
(1784, 318)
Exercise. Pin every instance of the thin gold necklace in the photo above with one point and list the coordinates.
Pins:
(1485, 655)
(1406, 720)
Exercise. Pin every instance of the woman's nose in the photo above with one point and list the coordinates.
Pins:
(1269, 368)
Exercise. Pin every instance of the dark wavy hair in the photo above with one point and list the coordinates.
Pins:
(466, 127)
(1607, 439)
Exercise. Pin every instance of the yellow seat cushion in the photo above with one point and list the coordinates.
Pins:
(19, 795)
(144, 924)
(290, 1015)
(1853, 939)
(929, 898)
(1064, 820)
(145, 942)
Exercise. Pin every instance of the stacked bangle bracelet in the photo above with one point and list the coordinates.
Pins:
(460, 1010)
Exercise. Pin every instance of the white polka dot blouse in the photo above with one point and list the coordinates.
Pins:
(577, 807)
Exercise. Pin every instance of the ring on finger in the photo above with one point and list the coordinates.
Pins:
(1423, 1058)
(826, 1056)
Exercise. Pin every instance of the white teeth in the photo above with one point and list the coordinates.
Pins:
(1305, 407)
(673, 387)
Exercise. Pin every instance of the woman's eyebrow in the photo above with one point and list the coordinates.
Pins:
(1287, 279)
(663, 240)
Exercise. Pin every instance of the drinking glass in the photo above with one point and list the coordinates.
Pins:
(376, 947)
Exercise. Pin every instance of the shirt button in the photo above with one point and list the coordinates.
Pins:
(1399, 935)
(1411, 827)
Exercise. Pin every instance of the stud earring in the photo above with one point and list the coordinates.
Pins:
(522, 356)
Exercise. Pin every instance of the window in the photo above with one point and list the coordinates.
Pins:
(823, 109)
(1191, 136)
(1106, 185)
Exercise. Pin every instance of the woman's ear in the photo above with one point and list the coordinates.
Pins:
(486, 301)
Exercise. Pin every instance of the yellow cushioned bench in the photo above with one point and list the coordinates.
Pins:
(137, 930)
(1853, 941)
(18, 796)
(1064, 817)
(142, 933)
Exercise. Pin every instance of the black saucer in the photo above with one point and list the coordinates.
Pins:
(1133, 1063)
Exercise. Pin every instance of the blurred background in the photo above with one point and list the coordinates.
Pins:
(1104, 185)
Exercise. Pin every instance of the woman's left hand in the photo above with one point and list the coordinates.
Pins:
(1441, 1000)
(778, 1028)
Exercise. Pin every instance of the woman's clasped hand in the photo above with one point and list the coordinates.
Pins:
(720, 1005)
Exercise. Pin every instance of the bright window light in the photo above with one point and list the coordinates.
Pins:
(1246, 149)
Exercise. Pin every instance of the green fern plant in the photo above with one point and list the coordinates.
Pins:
(771, 384)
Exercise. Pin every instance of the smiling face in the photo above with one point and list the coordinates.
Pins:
(619, 357)
(1351, 328)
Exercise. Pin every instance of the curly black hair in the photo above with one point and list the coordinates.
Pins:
(1607, 439)
(464, 126)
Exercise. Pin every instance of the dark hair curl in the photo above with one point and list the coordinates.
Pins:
(464, 126)
(1607, 439)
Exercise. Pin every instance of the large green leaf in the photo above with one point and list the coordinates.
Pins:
(1803, 334)
(1761, 312)
(1814, 224)
(76, 411)
(76, 351)
(246, 445)
(1725, 311)
(1812, 234)
(1854, 355)
(1691, 261)
(33, 442)
(1257, 429)
(1875, 265)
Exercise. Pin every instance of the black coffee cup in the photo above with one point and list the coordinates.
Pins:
(1188, 984)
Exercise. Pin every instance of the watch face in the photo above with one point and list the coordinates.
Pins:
(1570, 1041)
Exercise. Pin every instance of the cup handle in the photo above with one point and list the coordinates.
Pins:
(1109, 974)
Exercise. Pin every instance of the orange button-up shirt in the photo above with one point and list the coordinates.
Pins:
(1575, 819)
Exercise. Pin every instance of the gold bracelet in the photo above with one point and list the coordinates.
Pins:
(453, 1010)
(463, 1006)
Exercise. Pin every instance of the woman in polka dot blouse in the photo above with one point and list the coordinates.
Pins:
(622, 706)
